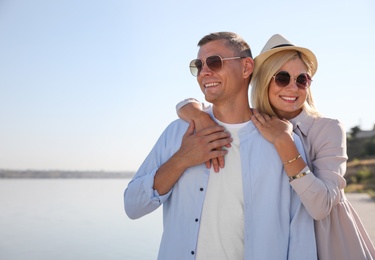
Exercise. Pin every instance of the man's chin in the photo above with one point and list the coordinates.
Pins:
(209, 98)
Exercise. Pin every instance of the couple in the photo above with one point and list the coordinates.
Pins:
(261, 205)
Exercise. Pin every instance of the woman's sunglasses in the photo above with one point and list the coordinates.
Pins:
(282, 79)
(215, 63)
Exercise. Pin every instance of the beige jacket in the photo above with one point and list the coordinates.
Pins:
(339, 231)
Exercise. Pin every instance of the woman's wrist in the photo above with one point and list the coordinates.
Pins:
(190, 111)
(185, 102)
(305, 171)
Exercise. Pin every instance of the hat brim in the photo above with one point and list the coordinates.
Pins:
(258, 61)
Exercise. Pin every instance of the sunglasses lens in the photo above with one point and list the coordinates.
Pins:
(214, 62)
(282, 78)
(303, 81)
(195, 67)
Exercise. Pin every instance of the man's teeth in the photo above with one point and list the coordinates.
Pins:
(211, 85)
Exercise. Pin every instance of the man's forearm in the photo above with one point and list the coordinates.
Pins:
(168, 174)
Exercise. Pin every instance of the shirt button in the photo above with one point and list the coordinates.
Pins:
(201, 189)
(196, 220)
(192, 252)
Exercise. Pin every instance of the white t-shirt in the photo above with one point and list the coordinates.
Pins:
(221, 233)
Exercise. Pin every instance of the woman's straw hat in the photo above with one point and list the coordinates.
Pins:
(278, 43)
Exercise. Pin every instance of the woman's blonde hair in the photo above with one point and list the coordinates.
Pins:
(261, 82)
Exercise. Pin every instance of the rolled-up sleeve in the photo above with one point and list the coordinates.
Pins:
(140, 198)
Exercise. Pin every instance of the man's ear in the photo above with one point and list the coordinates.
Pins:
(249, 67)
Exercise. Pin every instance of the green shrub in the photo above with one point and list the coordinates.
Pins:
(363, 174)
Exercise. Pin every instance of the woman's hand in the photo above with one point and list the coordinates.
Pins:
(271, 128)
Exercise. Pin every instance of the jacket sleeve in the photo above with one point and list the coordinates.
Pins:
(187, 101)
(326, 148)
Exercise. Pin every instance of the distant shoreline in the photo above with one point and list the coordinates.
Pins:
(44, 174)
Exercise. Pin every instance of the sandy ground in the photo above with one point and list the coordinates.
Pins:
(365, 208)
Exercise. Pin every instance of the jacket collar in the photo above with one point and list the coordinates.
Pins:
(303, 122)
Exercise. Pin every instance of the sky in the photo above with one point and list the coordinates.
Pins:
(91, 85)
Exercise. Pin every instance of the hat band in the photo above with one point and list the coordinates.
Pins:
(282, 45)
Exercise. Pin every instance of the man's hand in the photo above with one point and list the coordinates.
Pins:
(193, 111)
(205, 121)
(196, 148)
(202, 146)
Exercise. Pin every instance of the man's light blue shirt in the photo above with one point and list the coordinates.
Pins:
(277, 225)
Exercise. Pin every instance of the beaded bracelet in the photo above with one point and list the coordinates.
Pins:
(292, 160)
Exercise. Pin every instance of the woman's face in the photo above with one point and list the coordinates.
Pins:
(287, 101)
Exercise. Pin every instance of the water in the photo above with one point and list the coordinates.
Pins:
(72, 219)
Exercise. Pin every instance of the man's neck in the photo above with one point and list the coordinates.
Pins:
(232, 114)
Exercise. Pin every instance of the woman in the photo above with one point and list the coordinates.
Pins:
(283, 100)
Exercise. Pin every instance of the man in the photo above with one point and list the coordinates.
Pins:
(247, 210)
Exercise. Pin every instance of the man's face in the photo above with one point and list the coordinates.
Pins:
(224, 84)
